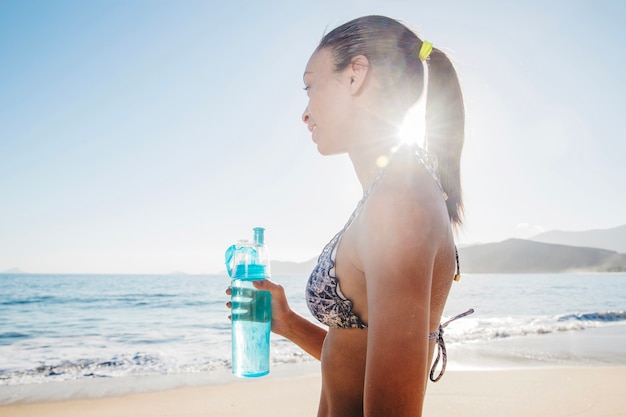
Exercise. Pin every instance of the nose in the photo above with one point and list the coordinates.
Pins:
(306, 116)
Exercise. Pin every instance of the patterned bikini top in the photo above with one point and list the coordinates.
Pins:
(324, 297)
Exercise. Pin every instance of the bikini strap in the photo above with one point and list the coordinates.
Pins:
(441, 347)
(457, 276)
(430, 165)
(361, 202)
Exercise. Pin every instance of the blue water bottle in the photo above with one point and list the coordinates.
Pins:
(251, 309)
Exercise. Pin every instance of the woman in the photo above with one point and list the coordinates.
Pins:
(382, 282)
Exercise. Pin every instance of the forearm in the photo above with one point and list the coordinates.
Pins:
(307, 335)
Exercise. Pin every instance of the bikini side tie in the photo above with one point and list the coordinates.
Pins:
(441, 347)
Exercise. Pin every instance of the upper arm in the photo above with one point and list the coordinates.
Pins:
(397, 252)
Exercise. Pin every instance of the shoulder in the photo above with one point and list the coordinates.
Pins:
(407, 196)
(405, 215)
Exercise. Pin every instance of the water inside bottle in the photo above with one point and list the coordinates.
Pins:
(251, 347)
(251, 324)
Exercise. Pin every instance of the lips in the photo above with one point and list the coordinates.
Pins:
(312, 130)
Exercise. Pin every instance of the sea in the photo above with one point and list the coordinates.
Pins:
(70, 336)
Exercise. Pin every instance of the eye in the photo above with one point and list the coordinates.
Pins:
(306, 88)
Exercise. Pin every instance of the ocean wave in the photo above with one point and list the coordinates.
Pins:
(603, 316)
(8, 338)
(30, 300)
(45, 360)
(138, 364)
(139, 301)
(485, 329)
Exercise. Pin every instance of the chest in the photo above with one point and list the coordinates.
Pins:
(349, 270)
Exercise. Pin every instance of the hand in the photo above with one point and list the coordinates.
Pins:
(280, 306)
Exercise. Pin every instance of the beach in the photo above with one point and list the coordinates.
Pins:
(561, 374)
(555, 392)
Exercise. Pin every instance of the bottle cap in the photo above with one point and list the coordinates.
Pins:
(248, 261)
(259, 239)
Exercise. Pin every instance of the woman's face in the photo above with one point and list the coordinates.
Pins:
(328, 113)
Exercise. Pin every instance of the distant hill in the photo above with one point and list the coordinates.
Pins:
(13, 271)
(519, 256)
(293, 268)
(510, 256)
(609, 239)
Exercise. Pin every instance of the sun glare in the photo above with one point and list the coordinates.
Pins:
(413, 127)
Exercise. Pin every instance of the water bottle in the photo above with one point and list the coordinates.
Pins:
(251, 309)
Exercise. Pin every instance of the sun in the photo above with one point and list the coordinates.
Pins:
(413, 128)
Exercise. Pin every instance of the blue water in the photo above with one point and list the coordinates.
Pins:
(79, 327)
(251, 314)
(251, 348)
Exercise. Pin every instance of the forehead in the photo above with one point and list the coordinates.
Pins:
(321, 62)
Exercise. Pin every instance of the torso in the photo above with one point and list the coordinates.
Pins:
(345, 348)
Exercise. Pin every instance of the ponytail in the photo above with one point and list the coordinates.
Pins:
(445, 126)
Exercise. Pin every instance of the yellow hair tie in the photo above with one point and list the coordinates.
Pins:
(425, 50)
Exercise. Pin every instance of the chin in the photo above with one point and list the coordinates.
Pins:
(325, 150)
(329, 146)
(322, 151)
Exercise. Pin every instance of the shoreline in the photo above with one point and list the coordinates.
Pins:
(600, 346)
(555, 391)
(592, 348)
(95, 389)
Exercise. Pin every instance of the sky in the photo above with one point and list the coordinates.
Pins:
(148, 136)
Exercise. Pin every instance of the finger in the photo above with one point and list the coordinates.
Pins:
(263, 284)
(229, 304)
(229, 317)
(228, 291)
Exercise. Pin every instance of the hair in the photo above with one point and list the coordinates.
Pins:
(392, 51)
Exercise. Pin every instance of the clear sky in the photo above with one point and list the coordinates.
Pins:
(147, 136)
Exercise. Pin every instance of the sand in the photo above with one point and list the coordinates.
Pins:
(553, 392)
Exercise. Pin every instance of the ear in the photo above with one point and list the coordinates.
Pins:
(358, 71)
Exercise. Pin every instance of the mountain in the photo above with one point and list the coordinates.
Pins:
(526, 256)
(293, 268)
(13, 271)
(510, 256)
(609, 239)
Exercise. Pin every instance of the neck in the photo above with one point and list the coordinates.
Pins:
(369, 159)
(377, 137)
